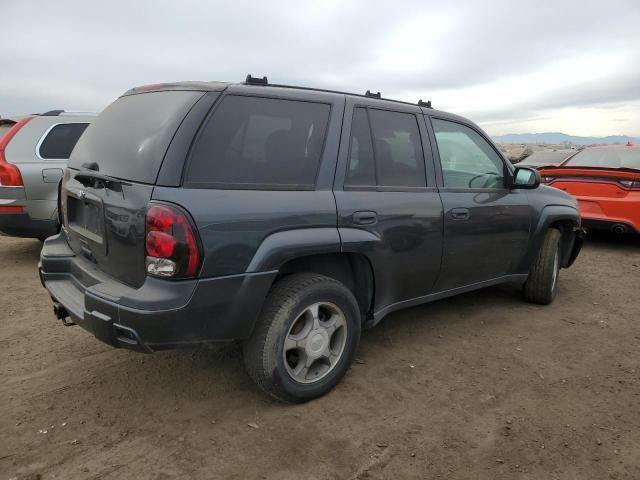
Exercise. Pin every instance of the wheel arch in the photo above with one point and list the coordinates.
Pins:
(317, 250)
(567, 238)
(561, 217)
(353, 270)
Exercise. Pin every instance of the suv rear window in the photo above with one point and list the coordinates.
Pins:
(129, 139)
(60, 140)
(254, 142)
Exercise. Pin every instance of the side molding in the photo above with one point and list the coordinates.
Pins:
(357, 240)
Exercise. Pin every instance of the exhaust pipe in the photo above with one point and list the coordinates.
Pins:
(619, 229)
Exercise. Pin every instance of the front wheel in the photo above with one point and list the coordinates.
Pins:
(305, 339)
(542, 284)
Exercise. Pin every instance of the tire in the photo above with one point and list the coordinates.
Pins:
(542, 284)
(291, 331)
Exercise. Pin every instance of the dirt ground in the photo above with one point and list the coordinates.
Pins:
(481, 386)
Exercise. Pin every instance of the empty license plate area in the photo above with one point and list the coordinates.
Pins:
(85, 217)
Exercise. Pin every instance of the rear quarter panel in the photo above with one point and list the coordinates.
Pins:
(234, 223)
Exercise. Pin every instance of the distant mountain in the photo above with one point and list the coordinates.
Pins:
(557, 137)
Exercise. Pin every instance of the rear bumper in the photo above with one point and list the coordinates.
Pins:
(601, 212)
(160, 314)
(22, 225)
(610, 225)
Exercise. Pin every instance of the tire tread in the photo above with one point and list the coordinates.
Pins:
(538, 287)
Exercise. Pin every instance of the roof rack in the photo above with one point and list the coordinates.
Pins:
(426, 104)
(52, 113)
(250, 80)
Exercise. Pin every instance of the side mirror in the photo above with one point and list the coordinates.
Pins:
(524, 177)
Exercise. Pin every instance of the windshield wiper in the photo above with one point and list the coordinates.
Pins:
(88, 177)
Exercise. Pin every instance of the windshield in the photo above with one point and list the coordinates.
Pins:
(628, 157)
(129, 138)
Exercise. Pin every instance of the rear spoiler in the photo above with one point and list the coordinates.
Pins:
(595, 169)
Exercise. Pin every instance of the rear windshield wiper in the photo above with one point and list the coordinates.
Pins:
(88, 177)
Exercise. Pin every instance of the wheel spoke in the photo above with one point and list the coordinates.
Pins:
(301, 371)
(336, 321)
(314, 311)
(330, 329)
(290, 343)
(333, 358)
(302, 368)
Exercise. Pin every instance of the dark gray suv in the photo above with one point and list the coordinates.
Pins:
(289, 219)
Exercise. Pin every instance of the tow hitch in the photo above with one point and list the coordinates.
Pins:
(61, 313)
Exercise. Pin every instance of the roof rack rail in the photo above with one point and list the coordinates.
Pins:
(373, 95)
(52, 113)
(426, 104)
(250, 80)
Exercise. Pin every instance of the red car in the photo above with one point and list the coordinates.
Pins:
(606, 182)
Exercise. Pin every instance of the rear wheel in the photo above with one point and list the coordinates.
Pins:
(306, 338)
(542, 284)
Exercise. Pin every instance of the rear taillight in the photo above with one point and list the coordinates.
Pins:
(11, 209)
(10, 174)
(171, 243)
(630, 184)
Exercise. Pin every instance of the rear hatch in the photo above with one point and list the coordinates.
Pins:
(111, 176)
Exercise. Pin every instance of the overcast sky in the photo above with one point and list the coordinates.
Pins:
(512, 66)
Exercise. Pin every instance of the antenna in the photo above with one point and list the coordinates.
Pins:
(426, 104)
(373, 95)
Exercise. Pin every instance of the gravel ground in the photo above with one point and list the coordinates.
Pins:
(481, 386)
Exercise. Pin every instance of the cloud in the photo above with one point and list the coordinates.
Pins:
(498, 61)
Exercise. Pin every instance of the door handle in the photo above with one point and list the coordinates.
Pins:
(365, 217)
(460, 213)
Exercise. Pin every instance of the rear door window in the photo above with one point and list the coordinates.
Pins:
(255, 142)
(362, 168)
(398, 151)
(129, 139)
(385, 150)
(59, 141)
